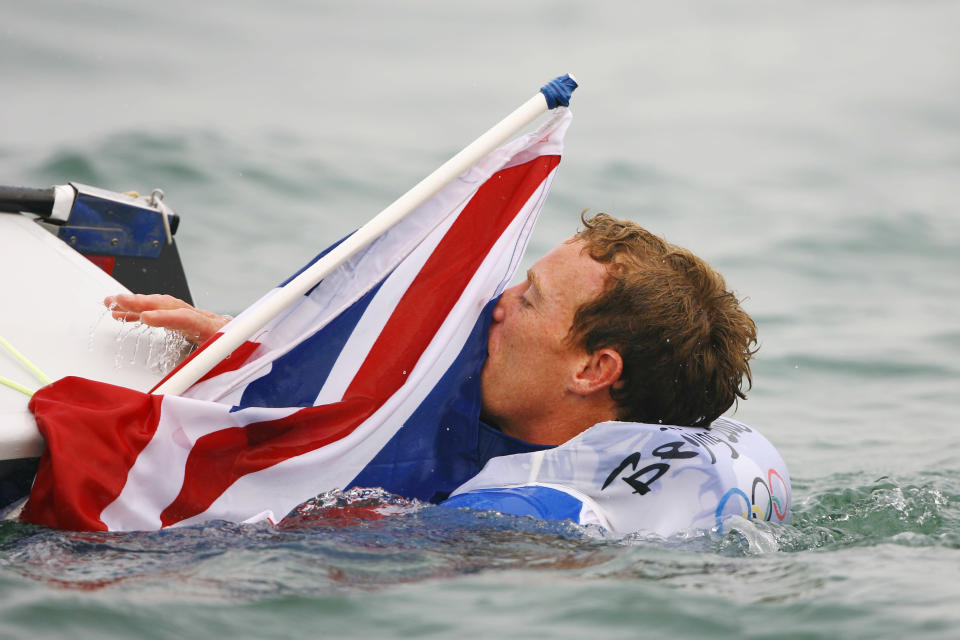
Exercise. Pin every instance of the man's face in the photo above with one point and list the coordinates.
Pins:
(530, 360)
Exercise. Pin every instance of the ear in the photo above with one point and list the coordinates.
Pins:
(597, 371)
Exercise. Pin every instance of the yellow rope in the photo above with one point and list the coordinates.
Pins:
(22, 359)
(16, 386)
(40, 375)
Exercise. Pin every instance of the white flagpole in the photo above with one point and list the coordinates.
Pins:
(245, 326)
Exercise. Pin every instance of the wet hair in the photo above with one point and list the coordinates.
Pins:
(685, 341)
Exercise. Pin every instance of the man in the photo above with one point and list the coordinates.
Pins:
(607, 371)
(613, 324)
(624, 350)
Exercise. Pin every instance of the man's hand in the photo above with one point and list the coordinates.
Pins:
(167, 312)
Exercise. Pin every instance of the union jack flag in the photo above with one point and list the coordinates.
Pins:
(371, 379)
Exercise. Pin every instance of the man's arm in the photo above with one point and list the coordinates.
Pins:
(165, 311)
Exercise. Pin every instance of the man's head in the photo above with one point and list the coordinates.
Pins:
(685, 341)
(614, 323)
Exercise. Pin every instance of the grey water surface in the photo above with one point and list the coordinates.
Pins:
(809, 150)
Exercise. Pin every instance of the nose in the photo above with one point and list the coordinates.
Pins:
(509, 297)
(499, 311)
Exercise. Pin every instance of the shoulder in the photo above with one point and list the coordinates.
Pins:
(640, 477)
(539, 501)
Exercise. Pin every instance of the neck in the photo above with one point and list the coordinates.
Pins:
(554, 427)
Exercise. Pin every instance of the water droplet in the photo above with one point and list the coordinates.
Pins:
(121, 334)
(93, 330)
(142, 329)
(150, 351)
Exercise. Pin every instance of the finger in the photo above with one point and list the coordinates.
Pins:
(195, 326)
(136, 302)
(126, 316)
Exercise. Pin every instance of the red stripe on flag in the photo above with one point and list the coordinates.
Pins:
(237, 358)
(219, 459)
(94, 432)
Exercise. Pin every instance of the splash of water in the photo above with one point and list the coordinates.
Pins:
(135, 343)
(377, 500)
(172, 348)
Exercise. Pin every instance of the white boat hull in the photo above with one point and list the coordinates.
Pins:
(53, 314)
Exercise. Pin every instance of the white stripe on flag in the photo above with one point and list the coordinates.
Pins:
(157, 475)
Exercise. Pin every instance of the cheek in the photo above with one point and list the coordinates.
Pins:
(527, 352)
(514, 331)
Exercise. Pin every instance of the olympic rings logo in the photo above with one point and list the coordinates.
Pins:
(768, 498)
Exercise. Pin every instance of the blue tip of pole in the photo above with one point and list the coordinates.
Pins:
(558, 91)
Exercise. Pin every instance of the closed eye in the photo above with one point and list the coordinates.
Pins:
(532, 290)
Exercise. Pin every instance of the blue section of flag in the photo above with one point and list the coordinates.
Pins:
(540, 502)
(443, 443)
(296, 378)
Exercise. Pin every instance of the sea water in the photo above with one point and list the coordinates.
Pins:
(809, 150)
